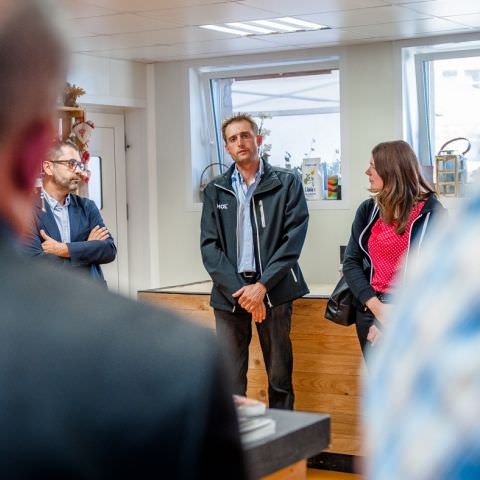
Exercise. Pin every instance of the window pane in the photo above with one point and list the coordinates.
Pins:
(299, 115)
(279, 94)
(300, 136)
(456, 103)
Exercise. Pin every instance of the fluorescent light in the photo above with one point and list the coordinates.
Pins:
(276, 26)
(302, 23)
(251, 28)
(218, 28)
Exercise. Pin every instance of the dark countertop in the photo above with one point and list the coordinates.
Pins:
(298, 436)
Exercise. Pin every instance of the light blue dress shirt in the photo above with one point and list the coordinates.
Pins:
(244, 193)
(60, 213)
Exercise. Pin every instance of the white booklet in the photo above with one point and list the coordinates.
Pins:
(247, 407)
(256, 428)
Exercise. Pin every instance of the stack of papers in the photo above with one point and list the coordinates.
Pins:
(253, 422)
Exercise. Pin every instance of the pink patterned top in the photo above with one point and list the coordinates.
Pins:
(387, 249)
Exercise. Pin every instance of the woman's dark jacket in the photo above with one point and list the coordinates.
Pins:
(279, 216)
(357, 264)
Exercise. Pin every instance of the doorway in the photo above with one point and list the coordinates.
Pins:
(108, 144)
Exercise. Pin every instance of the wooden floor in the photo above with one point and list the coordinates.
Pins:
(314, 474)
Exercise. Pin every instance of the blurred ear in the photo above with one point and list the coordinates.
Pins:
(259, 140)
(21, 156)
(32, 147)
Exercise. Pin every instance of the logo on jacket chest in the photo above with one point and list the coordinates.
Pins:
(222, 206)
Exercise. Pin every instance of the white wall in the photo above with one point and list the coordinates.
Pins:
(116, 86)
(109, 82)
(370, 99)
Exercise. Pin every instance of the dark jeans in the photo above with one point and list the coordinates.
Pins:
(235, 330)
(364, 320)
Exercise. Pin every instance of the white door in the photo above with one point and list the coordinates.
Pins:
(108, 143)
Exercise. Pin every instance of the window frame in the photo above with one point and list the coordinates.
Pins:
(207, 74)
(423, 79)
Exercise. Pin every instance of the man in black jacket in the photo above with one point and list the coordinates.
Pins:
(254, 223)
(92, 385)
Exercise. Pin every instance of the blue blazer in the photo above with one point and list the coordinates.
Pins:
(85, 255)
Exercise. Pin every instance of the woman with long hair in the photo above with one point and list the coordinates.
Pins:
(387, 228)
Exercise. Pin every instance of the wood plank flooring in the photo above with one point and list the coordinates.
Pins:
(314, 474)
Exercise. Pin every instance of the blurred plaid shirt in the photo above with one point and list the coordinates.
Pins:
(421, 409)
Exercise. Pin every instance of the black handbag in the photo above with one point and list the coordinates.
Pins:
(340, 307)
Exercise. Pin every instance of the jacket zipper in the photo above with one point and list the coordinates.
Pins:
(294, 276)
(372, 217)
(258, 247)
(424, 228)
(236, 232)
(262, 214)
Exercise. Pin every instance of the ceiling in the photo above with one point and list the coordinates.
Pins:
(164, 30)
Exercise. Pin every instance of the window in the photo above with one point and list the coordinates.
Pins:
(298, 110)
(447, 92)
(455, 97)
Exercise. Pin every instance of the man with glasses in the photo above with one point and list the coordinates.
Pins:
(69, 228)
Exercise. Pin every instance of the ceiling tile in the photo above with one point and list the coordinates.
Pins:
(407, 29)
(313, 38)
(119, 23)
(211, 14)
(226, 47)
(76, 9)
(148, 39)
(193, 50)
(364, 16)
(143, 5)
(302, 7)
(445, 8)
(472, 20)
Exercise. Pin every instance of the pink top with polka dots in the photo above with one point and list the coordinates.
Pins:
(387, 249)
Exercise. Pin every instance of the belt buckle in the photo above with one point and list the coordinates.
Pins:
(248, 274)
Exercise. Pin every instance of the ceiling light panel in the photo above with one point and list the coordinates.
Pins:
(276, 26)
(250, 28)
(219, 28)
(267, 27)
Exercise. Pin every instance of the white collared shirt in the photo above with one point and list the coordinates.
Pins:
(60, 214)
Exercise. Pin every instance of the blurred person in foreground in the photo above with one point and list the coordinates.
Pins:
(69, 229)
(388, 228)
(422, 399)
(92, 385)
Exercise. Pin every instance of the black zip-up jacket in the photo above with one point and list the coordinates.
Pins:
(357, 265)
(279, 216)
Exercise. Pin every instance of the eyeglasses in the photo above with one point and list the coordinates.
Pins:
(71, 164)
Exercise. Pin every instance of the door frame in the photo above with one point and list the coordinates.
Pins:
(117, 122)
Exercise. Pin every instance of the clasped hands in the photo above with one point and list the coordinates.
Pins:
(60, 249)
(250, 297)
(380, 311)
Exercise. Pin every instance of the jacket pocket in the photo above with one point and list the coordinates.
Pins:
(262, 214)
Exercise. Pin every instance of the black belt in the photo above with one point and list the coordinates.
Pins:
(248, 275)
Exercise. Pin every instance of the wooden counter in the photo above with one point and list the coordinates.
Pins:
(327, 357)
